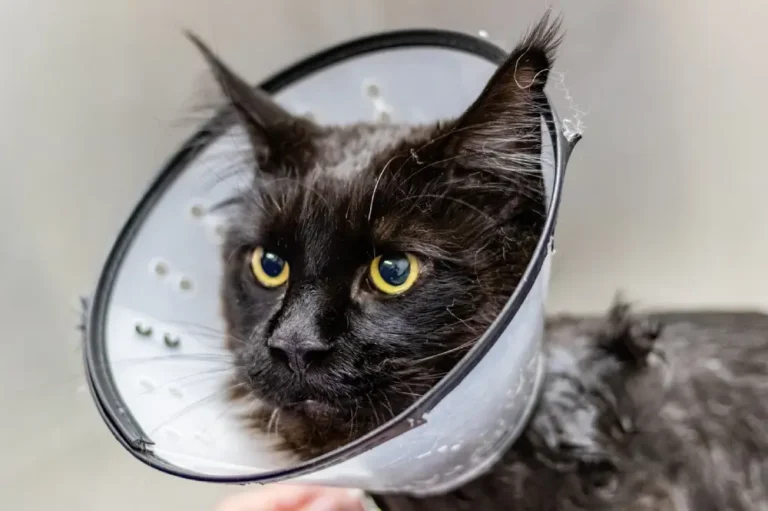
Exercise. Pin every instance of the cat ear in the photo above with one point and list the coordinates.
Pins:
(262, 117)
(501, 130)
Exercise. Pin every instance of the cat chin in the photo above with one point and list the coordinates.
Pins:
(315, 409)
(307, 429)
(311, 412)
(308, 412)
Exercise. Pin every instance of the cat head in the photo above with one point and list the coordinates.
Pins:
(366, 260)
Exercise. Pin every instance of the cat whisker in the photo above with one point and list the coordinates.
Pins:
(413, 395)
(179, 357)
(192, 406)
(218, 417)
(388, 404)
(353, 423)
(273, 420)
(428, 377)
(225, 339)
(423, 385)
(463, 322)
(236, 200)
(373, 409)
(223, 172)
(204, 376)
(201, 327)
(461, 347)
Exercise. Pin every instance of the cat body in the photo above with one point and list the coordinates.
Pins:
(366, 260)
(667, 413)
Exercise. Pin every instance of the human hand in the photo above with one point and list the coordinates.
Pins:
(283, 497)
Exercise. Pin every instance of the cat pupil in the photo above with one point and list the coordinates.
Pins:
(395, 269)
(272, 264)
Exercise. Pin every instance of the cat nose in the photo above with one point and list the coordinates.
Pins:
(298, 354)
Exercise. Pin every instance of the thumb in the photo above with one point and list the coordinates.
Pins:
(284, 497)
(272, 497)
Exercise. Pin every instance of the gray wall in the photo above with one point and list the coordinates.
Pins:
(662, 198)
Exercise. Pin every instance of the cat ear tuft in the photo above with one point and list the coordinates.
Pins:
(501, 130)
(534, 55)
(257, 112)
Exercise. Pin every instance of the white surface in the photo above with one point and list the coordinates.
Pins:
(664, 197)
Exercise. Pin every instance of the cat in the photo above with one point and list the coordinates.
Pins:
(366, 260)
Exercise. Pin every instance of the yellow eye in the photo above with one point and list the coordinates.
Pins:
(269, 268)
(393, 274)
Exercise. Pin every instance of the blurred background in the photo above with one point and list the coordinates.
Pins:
(664, 197)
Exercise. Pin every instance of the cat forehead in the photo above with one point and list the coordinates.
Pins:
(343, 153)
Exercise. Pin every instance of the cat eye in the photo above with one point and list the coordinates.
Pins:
(393, 274)
(269, 268)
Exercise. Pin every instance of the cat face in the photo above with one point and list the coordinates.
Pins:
(366, 260)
